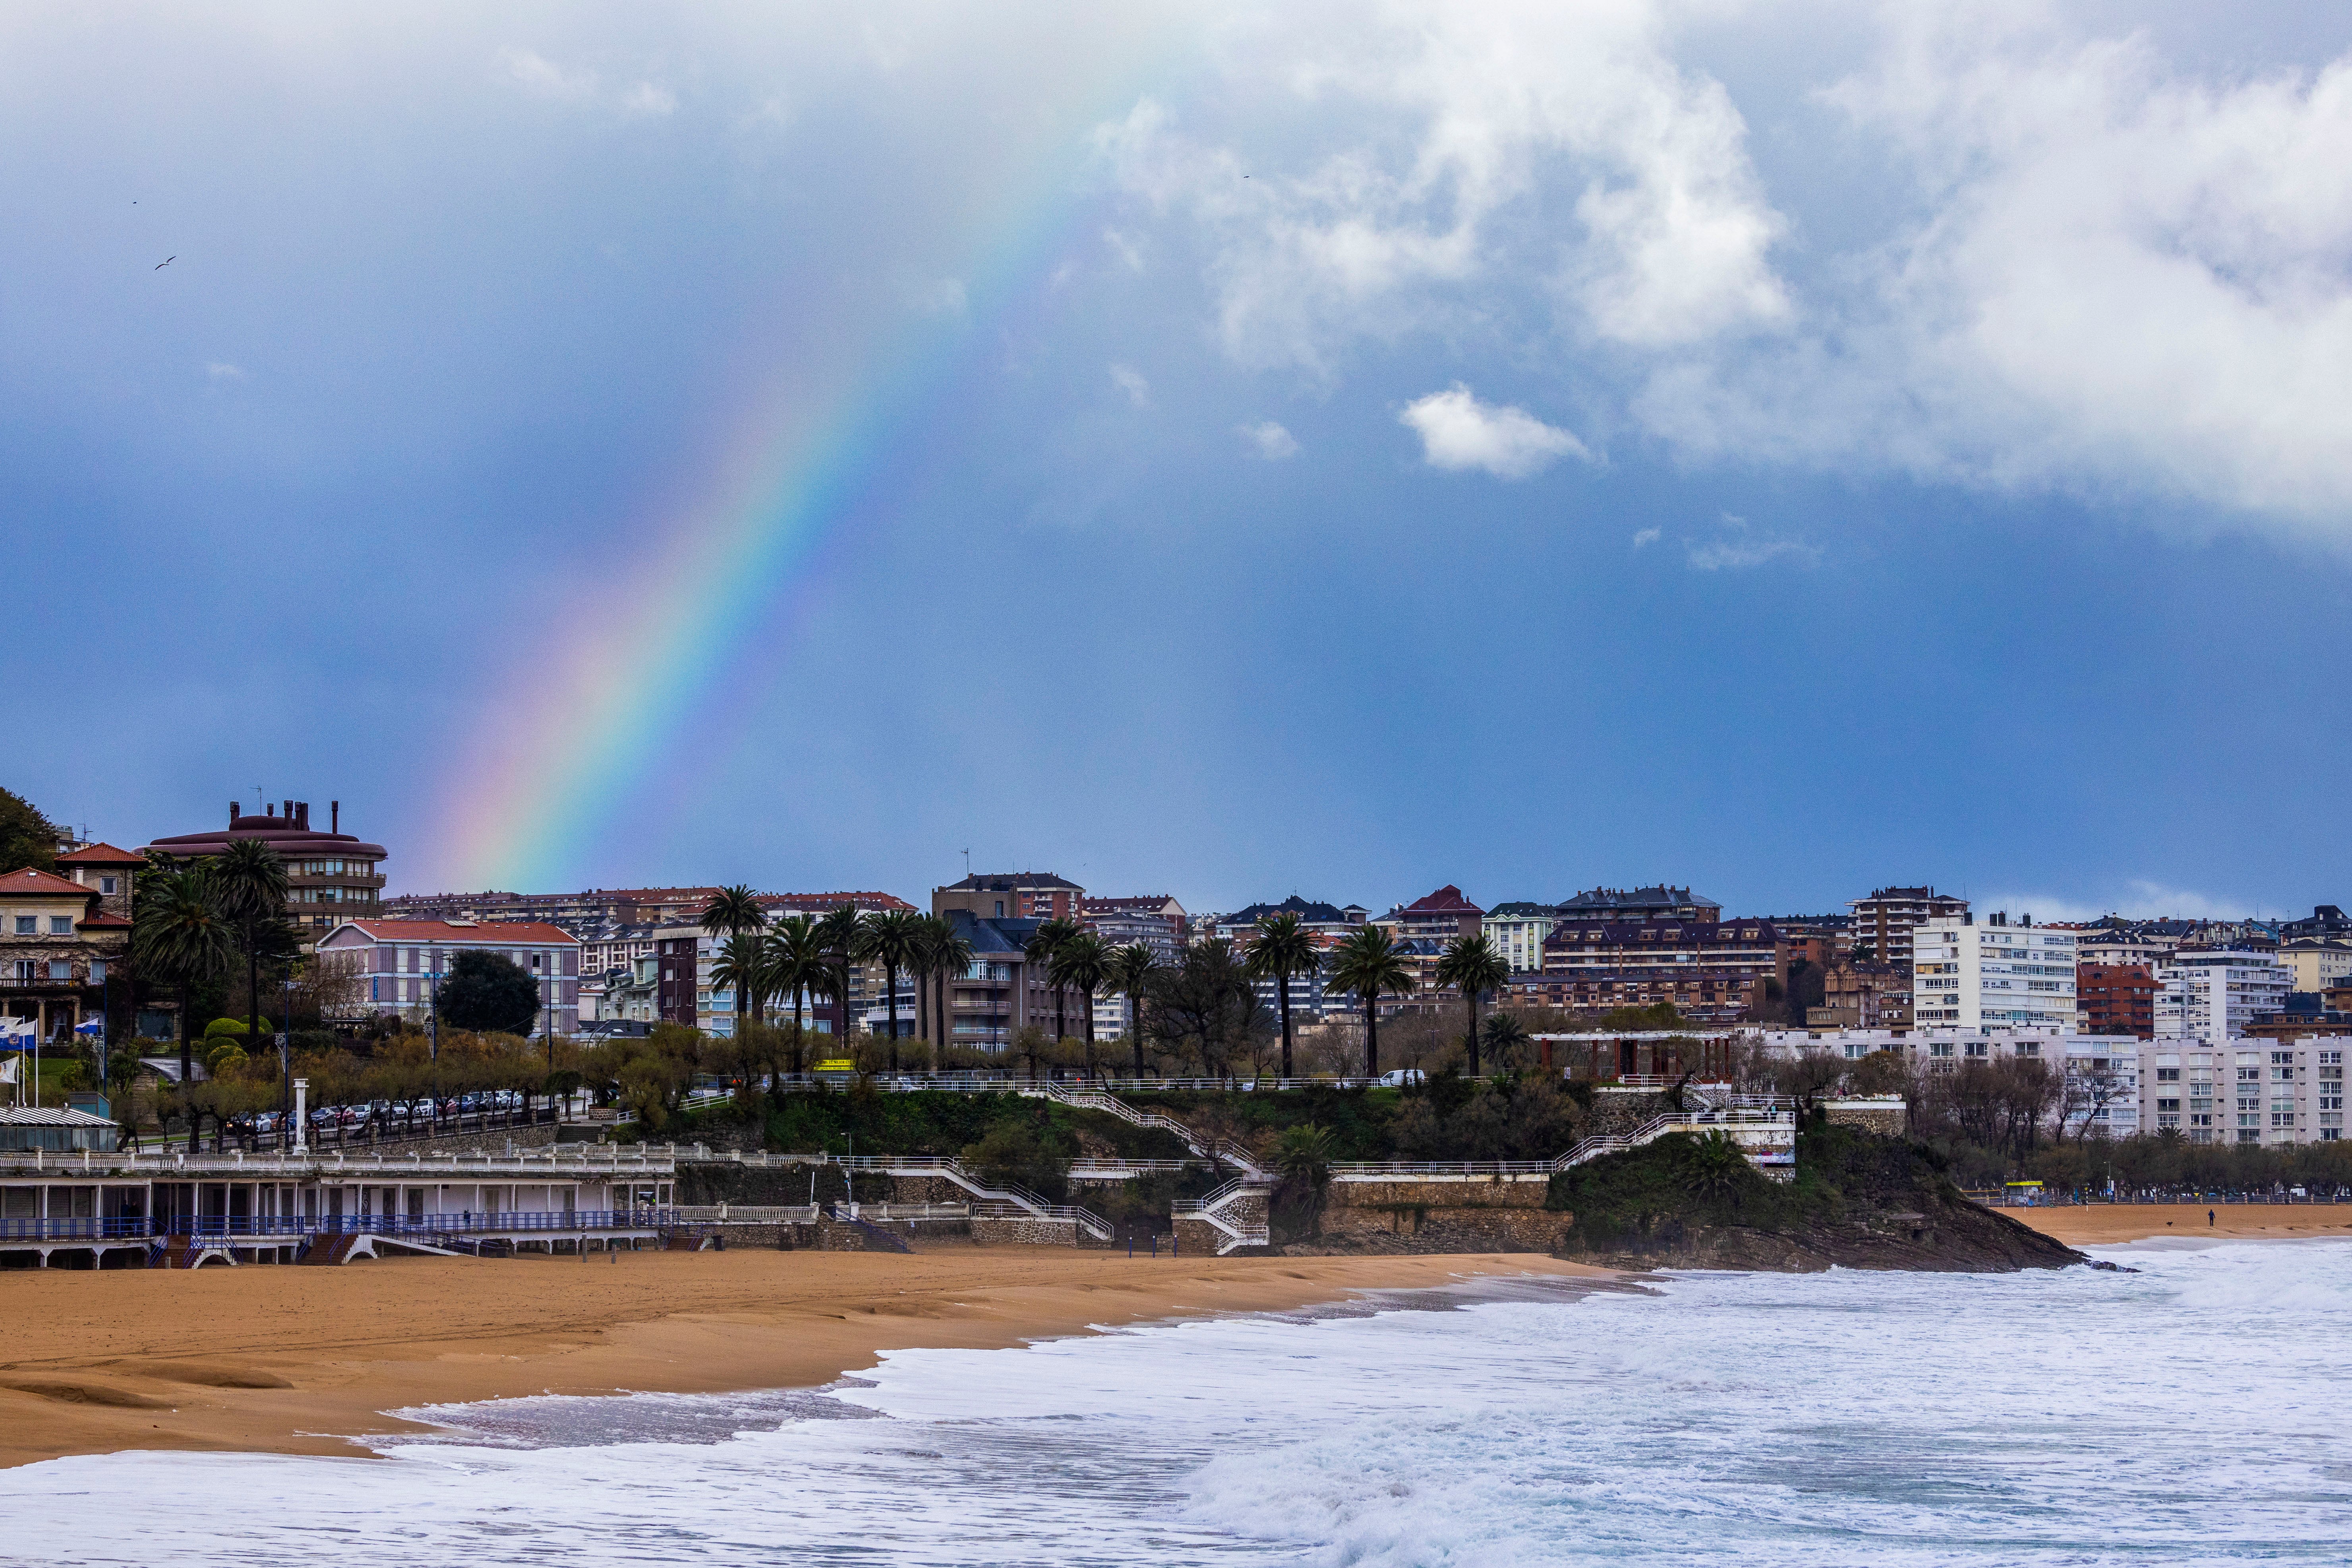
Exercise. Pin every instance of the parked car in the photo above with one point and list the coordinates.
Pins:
(1400, 1076)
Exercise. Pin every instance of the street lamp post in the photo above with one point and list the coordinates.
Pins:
(285, 1052)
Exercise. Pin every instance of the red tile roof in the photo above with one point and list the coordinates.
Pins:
(1447, 899)
(104, 922)
(834, 901)
(101, 855)
(29, 883)
(486, 933)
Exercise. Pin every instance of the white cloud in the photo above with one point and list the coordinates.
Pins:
(1125, 247)
(220, 370)
(2125, 280)
(544, 78)
(2140, 899)
(1130, 380)
(1457, 432)
(648, 99)
(1735, 546)
(1270, 441)
(1644, 537)
(1472, 119)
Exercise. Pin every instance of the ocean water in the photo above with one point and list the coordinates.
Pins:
(2196, 1411)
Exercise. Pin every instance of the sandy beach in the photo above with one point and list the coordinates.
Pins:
(293, 1360)
(2106, 1224)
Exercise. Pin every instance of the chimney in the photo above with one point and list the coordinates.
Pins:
(302, 815)
(285, 812)
(232, 814)
(334, 815)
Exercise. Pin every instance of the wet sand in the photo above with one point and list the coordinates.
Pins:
(304, 1360)
(2105, 1225)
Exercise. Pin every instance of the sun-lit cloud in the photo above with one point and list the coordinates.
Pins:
(1459, 432)
(1736, 545)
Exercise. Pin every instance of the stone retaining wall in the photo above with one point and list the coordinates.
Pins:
(1481, 1213)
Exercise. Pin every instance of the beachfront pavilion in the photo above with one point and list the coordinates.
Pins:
(85, 1204)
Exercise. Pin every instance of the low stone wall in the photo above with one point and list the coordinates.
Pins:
(1476, 1214)
(1887, 1115)
(1026, 1230)
(496, 1140)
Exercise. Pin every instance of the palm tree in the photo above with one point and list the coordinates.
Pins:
(947, 953)
(732, 912)
(180, 936)
(1082, 962)
(838, 934)
(797, 963)
(889, 939)
(1367, 963)
(1043, 943)
(1505, 1035)
(1471, 963)
(1281, 949)
(742, 965)
(249, 885)
(1131, 968)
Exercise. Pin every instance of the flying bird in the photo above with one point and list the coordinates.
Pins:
(166, 261)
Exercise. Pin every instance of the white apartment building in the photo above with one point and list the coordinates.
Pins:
(2212, 993)
(1518, 933)
(2246, 1091)
(1993, 976)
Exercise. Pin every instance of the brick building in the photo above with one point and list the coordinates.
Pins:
(2116, 999)
(1711, 971)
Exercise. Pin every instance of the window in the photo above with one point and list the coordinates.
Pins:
(61, 925)
(108, 885)
(24, 970)
(98, 972)
(2167, 1075)
(61, 969)
(28, 925)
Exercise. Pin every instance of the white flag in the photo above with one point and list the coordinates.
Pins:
(9, 1069)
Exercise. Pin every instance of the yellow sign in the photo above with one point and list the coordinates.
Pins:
(840, 1064)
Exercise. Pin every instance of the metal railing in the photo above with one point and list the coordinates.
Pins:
(979, 1186)
(299, 1226)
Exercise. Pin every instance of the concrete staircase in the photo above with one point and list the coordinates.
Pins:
(1223, 1211)
(1034, 1205)
(1226, 1152)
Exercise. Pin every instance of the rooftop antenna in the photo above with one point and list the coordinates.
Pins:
(967, 864)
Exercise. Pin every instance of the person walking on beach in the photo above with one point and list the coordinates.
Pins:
(2209, 1219)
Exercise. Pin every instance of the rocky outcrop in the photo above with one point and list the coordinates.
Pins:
(1860, 1201)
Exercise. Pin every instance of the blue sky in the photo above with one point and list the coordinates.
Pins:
(1525, 448)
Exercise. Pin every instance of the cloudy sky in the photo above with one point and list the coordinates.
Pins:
(1205, 449)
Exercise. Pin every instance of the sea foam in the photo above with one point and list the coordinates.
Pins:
(2186, 1412)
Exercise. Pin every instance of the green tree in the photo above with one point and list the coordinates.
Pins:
(1367, 963)
(1283, 948)
(1506, 1038)
(839, 933)
(180, 937)
(797, 965)
(250, 879)
(1131, 970)
(945, 954)
(1040, 949)
(1205, 1007)
(26, 837)
(1082, 964)
(490, 993)
(732, 913)
(1471, 963)
(1302, 1156)
(742, 966)
(889, 939)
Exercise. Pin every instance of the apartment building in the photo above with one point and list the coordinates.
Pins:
(2114, 999)
(1438, 917)
(1862, 995)
(1712, 971)
(60, 939)
(2246, 1091)
(1155, 919)
(2215, 993)
(1012, 896)
(1326, 924)
(1640, 906)
(1885, 921)
(1517, 931)
(1994, 974)
(399, 963)
(331, 877)
(2317, 964)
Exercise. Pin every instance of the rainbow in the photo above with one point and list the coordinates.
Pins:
(561, 746)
